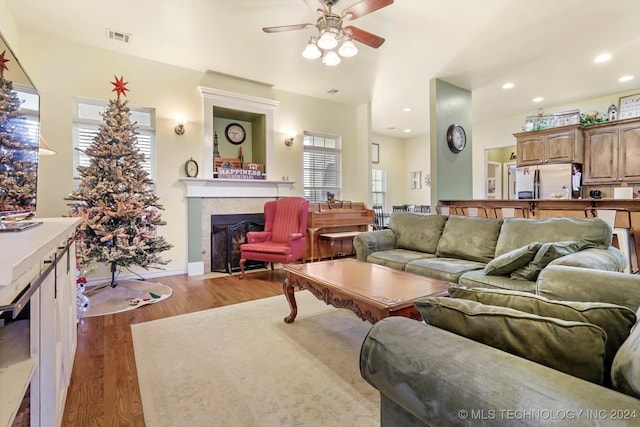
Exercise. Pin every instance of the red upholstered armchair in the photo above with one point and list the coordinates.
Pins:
(283, 238)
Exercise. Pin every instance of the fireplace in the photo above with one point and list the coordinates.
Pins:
(228, 232)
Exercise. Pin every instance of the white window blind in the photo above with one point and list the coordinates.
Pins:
(378, 186)
(86, 125)
(322, 166)
(29, 107)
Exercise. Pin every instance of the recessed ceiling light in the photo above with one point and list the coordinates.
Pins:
(538, 99)
(508, 85)
(625, 79)
(407, 131)
(406, 109)
(603, 57)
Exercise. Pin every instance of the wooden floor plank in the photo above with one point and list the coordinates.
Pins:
(104, 388)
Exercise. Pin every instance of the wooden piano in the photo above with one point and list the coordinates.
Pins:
(334, 217)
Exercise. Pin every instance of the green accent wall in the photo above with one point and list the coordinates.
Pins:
(451, 173)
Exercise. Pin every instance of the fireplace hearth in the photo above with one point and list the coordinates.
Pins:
(228, 232)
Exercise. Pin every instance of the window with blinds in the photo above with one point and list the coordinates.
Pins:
(378, 186)
(86, 124)
(322, 167)
(30, 108)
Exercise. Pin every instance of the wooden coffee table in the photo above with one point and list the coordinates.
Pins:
(371, 291)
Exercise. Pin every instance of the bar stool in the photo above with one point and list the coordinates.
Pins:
(446, 210)
(624, 235)
(509, 212)
(473, 211)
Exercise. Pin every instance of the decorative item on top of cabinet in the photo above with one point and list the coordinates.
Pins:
(612, 153)
(563, 144)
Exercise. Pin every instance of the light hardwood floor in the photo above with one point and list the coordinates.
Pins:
(104, 384)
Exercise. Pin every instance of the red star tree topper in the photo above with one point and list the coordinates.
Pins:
(3, 63)
(120, 86)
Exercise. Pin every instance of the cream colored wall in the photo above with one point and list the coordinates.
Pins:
(392, 160)
(301, 113)
(62, 69)
(417, 157)
(500, 132)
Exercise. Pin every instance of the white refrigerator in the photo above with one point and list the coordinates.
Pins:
(549, 181)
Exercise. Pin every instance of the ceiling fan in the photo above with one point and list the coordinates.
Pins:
(332, 33)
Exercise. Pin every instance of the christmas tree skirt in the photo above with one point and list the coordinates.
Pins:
(129, 294)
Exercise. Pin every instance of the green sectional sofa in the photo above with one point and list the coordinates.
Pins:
(505, 253)
(568, 356)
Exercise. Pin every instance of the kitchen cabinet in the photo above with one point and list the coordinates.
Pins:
(38, 351)
(612, 153)
(563, 144)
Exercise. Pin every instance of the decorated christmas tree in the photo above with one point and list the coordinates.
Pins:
(18, 151)
(115, 199)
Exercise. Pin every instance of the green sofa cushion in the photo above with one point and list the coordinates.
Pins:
(547, 253)
(517, 232)
(576, 348)
(600, 259)
(470, 238)
(417, 232)
(615, 320)
(506, 263)
(625, 371)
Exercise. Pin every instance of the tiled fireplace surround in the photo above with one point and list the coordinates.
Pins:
(208, 197)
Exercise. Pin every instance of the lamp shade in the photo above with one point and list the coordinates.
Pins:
(348, 49)
(44, 149)
(311, 51)
(328, 40)
(331, 58)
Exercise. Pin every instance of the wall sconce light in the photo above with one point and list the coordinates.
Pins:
(289, 141)
(179, 129)
(44, 149)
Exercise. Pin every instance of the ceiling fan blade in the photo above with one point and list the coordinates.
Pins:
(365, 7)
(316, 5)
(365, 37)
(282, 28)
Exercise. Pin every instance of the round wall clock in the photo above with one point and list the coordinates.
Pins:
(456, 138)
(235, 133)
(191, 168)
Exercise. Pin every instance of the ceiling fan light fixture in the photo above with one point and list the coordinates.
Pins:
(328, 39)
(311, 51)
(331, 58)
(348, 49)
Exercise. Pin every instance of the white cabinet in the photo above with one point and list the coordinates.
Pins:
(38, 264)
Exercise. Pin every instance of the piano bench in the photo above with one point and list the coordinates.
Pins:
(333, 237)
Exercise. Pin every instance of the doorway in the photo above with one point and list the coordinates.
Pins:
(497, 161)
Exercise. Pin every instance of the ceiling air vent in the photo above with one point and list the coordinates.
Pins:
(118, 36)
(333, 91)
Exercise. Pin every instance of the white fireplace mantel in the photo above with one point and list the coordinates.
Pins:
(237, 188)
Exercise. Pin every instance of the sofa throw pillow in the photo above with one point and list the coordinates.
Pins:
(576, 348)
(547, 253)
(470, 238)
(625, 371)
(615, 320)
(506, 263)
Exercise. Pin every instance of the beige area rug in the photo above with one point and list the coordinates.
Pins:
(128, 295)
(241, 365)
